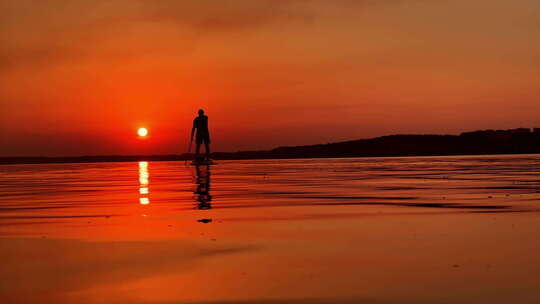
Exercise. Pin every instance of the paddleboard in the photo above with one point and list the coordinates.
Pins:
(202, 162)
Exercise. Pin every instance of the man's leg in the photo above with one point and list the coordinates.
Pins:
(197, 150)
(207, 148)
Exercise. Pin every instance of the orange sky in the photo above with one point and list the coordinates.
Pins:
(79, 77)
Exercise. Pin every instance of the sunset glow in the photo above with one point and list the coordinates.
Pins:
(269, 151)
(268, 73)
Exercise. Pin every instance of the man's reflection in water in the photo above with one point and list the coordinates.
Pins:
(202, 179)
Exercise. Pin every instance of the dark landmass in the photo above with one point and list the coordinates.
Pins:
(513, 141)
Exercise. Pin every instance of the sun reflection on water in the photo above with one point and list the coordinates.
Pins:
(143, 181)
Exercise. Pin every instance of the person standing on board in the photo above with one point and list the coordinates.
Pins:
(203, 135)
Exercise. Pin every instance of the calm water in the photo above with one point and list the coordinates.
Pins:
(364, 230)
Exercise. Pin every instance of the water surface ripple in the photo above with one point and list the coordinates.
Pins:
(416, 184)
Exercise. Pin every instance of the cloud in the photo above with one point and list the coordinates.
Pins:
(51, 32)
(224, 15)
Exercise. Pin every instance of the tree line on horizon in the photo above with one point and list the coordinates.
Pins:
(512, 141)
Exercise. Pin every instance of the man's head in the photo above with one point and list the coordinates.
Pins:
(201, 112)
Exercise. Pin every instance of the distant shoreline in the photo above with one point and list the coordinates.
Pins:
(487, 142)
(159, 158)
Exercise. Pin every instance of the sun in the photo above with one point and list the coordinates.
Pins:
(142, 132)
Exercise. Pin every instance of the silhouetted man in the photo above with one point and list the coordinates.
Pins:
(203, 135)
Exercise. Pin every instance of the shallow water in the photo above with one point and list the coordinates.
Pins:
(361, 230)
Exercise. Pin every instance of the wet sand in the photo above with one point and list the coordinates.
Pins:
(366, 230)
